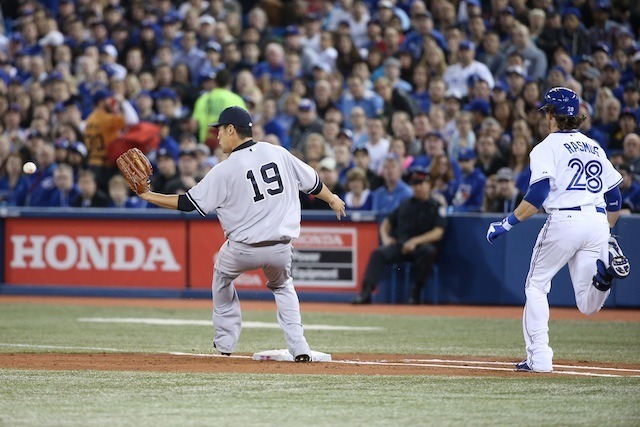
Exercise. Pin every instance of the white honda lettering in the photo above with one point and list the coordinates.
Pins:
(121, 244)
(21, 251)
(160, 252)
(51, 252)
(93, 254)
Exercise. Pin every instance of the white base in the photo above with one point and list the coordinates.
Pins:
(284, 356)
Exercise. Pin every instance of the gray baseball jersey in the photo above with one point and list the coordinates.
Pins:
(255, 195)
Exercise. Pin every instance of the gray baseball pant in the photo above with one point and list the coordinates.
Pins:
(275, 261)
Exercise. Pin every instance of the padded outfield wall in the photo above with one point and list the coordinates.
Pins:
(170, 254)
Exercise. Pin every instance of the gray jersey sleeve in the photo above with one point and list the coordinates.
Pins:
(210, 192)
(308, 180)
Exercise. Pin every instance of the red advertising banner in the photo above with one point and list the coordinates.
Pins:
(88, 252)
(327, 257)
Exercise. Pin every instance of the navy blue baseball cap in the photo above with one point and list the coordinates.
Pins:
(562, 101)
(466, 154)
(479, 105)
(100, 95)
(418, 175)
(236, 116)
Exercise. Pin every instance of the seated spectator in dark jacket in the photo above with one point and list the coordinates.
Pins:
(489, 160)
(508, 197)
(358, 196)
(90, 195)
(14, 185)
(470, 191)
(66, 190)
(395, 99)
(410, 233)
(306, 123)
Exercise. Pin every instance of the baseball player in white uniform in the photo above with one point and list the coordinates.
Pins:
(577, 185)
(255, 196)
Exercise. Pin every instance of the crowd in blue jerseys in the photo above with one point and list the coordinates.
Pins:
(362, 90)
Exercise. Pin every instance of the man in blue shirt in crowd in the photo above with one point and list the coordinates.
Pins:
(394, 191)
(470, 192)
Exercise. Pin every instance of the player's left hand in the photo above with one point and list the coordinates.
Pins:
(496, 229)
(337, 204)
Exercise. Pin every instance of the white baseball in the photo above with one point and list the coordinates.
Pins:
(29, 168)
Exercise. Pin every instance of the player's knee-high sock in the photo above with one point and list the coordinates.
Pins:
(290, 319)
(227, 318)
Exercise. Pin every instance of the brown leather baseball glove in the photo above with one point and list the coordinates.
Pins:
(136, 169)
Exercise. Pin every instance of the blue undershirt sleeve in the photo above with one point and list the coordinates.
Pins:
(613, 198)
(538, 192)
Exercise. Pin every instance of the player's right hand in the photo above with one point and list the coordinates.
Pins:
(337, 204)
(496, 229)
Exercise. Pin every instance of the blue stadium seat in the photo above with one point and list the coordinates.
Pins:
(396, 289)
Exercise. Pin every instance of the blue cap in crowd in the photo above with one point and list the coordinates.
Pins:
(466, 44)
(418, 175)
(166, 93)
(572, 11)
(466, 154)
(559, 68)
(100, 95)
(480, 105)
(236, 116)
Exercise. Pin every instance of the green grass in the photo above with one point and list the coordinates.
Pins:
(58, 326)
(141, 399)
(89, 398)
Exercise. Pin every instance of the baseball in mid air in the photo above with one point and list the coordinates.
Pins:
(29, 168)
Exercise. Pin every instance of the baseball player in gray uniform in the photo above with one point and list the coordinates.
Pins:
(577, 185)
(255, 196)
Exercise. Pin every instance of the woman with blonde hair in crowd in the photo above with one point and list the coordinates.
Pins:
(358, 196)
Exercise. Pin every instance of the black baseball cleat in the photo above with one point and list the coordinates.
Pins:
(222, 353)
(303, 358)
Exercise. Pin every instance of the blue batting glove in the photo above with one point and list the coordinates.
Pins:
(496, 229)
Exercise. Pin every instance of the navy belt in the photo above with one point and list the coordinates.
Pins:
(578, 208)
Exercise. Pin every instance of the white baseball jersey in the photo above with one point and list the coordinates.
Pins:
(255, 193)
(578, 170)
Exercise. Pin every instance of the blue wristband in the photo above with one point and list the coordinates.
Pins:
(512, 220)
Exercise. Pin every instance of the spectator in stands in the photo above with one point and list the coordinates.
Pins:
(399, 148)
(314, 149)
(209, 106)
(66, 190)
(492, 55)
(110, 116)
(394, 190)
(443, 180)
(119, 194)
(508, 195)
(464, 137)
(14, 185)
(358, 196)
(377, 143)
(573, 35)
(457, 75)
(535, 58)
(327, 171)
(361, 159)
(90, 195)
(167, 176)
(630, 190)
(394, 99)
(41, 184)
(627, 123)
(490, 199)
(631, 152)
(519, 162)
(409, 233)
(306, 123)
(357, 95)
(469, 195)
(489, 158)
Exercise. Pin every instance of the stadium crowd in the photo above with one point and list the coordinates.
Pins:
(365, 91)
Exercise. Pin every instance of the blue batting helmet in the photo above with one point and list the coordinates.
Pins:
(561, 101)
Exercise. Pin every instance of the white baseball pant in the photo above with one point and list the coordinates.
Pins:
(577, 238)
